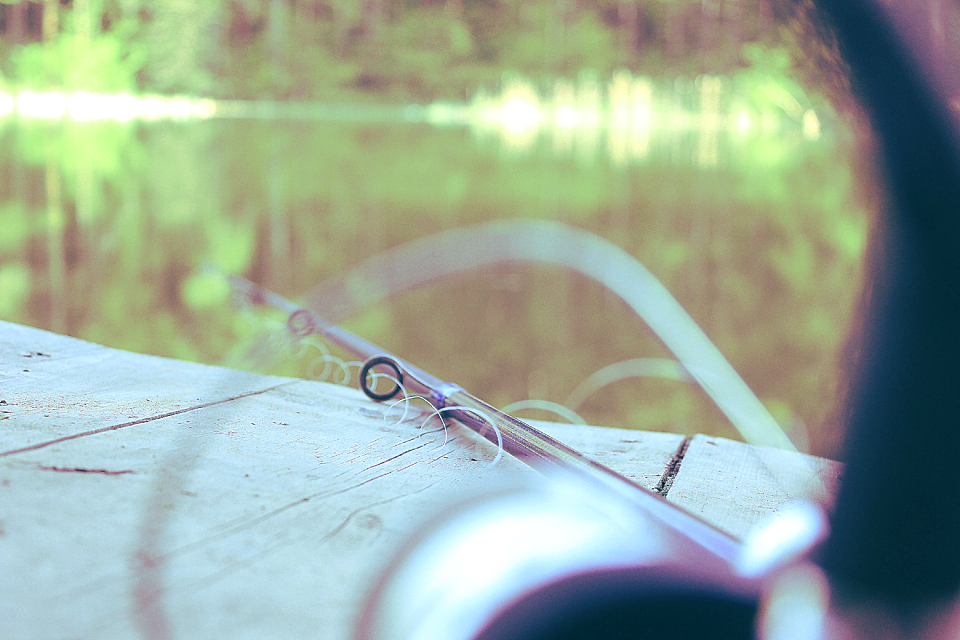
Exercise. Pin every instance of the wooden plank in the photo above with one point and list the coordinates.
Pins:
(59, 387)
(141, 496)
(734, 486)
(642, 456)
(246, 517)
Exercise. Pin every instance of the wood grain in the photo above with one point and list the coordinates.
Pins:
(152, 498)
(734, 486)
(147, 497)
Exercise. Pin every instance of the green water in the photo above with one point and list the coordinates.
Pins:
(104, 226)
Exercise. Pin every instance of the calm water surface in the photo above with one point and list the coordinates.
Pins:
(759, 235)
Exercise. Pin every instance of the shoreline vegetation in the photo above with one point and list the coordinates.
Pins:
(396, 52)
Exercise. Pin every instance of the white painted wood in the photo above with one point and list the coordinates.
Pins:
(734, 486)
(146, 497)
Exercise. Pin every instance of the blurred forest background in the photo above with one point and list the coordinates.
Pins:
(388, 50)
(104, 223)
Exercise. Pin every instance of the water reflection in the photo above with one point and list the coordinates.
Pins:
(749, 219)
(625, 118)
(616, 119)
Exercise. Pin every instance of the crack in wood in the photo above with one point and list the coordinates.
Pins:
(392, 458)
(673, 468)
(160, 416)
(105, 472)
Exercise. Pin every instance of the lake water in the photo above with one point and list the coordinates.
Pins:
(750, 219)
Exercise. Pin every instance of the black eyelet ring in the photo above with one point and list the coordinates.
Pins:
(370, 364)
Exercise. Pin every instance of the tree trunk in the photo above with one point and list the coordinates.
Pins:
(628, 16)
(51, 19)
(16, 21)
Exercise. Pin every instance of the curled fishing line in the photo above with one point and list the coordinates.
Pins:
(277, 336)
(301, 334)
(290, 339)
(296, 348)
(371, 387)
(664, 368)
(433, 413)
(329, 362)
(326, 358)
(405, 401)
(483, 417)
(556, 408)
(443, 425)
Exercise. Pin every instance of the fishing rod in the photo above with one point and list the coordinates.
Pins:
(698, 538)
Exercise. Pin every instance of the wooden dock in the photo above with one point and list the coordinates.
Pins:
(148, 497)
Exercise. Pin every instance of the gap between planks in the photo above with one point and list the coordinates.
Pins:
(673, 468)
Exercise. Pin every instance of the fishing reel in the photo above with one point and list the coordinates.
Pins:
(556, 562)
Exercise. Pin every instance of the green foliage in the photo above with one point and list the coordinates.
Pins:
(15, 280)
(16, 226)
(100, 62)
(181, 42)
(205, 290)
(356, 51)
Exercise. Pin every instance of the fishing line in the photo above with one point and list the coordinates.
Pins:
(292, 339)
(565, 412)
(299, 335)
(435, 412)
(405, 401)
(483, 417)
(398, 386)
(297, 348)
(330, 362)
(345, 367)
(633, 368)
(510, 241)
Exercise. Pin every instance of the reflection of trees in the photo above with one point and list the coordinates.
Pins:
(762, 249)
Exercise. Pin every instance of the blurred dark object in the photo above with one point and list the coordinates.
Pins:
(896, 524)
(626, 604)
(557, 561)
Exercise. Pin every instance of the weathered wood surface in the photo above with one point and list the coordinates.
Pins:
(147, 497)
(734, 486)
